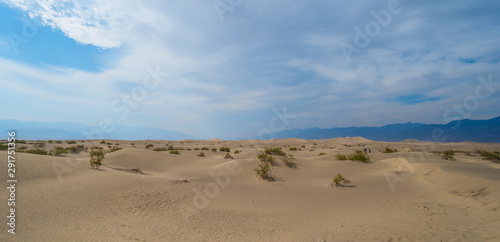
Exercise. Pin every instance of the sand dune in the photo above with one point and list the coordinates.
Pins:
(145, 195)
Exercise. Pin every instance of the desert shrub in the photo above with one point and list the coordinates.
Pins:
(214, 150)
(96, 155)
(389, 150)
(70, 142)
(37, 151)
(4, 147)
(340, 181)
(487, 155)
(132, 144)
(22, 147)
(76, 148)
(237, 152)
(340, 157)
(205, 148)
(196, 149)
(274, 151)
(359, 156)
(201, 154)
(58, 142)
(289, 161)
(50, 141)
(448, 155)
(58, 151)
(294, 149)
(39, 144)
(224, 149)
(228, 156)
(175, 152)
(160, 149)
(114, 148)
(267, 158)
(264, 172)
(149, 146)
(302, 146)
(320, 154)
(188, 149)
(20, 142)
(103, 142)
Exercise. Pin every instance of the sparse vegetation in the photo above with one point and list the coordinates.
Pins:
(224, 149)
(76, 148)
(340, 181)
(37, 151)
(237, 152)
(264, 172)
(289, 161)
(149, 146)
(487, 155)
(175, 152)
(294, 149)
(102, 142)
(201, 154)
(267, 158)
(205, 148)
(58, 142)
(58, 151)
(160, 149)
(274, 151)
(389, 150)
(71, 142)
(320, 154)
(228, 156)
(114, 148)
(214, 150)
(96, 156)
(359, 156)
(39, 144)
(20, 142)
(340, 157)
(448, 155)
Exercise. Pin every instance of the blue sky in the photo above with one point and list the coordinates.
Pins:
(329, 63)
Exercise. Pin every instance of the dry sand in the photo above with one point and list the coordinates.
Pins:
(411, 195)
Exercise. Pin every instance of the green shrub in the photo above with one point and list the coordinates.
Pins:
(149, 146)
(224, 149)
(96, 156)
(4, 147)
(294, 149)
(58, 151)
(70, 142)
(492, 156)
(359, 156)
(214, 150)
(340, 181)
(76, 148)
(288, 161)
(448, 155)
(205, 148)
(114, 148)
(22, 147)
(340, 157)
(37, 151)
(237, 152)
(267, 158)
(389, 150)
(274, 151)
(103, 142)
(264, 172)
(320, 154)
(175, 152)
(228, 156)
(50, 141)
(201, 154)
(160, 149)
(39, 144)
(20, 142)
(196, 149)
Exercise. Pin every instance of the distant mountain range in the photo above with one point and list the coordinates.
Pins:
(28, 130)
(485, 131)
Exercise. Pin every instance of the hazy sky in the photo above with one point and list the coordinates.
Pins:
(218, 69)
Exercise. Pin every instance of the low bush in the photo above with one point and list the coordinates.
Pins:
(114, 148)
(37, 151)
(448, 155)
(289, 161)
(76, 149)
(267, 158)
(224, 149)
(389, 150)
(175, 152)
(293, 149)
(487, 155)
(201, 154)
(39, 144)
(214, 150)
(160, 149)
(237, 152)
(205, 148)
(58, 151)
(264, 172)
(274, 151)
(70, 142)
(103, 142)
(340, 157)
(320, 154)
(340, 181)
(359, 156)
(96, 155)
(228, 156)
(149, 146)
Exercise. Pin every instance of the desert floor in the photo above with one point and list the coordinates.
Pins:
(145, 195)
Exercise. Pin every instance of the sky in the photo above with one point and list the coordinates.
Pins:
(235, 68)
